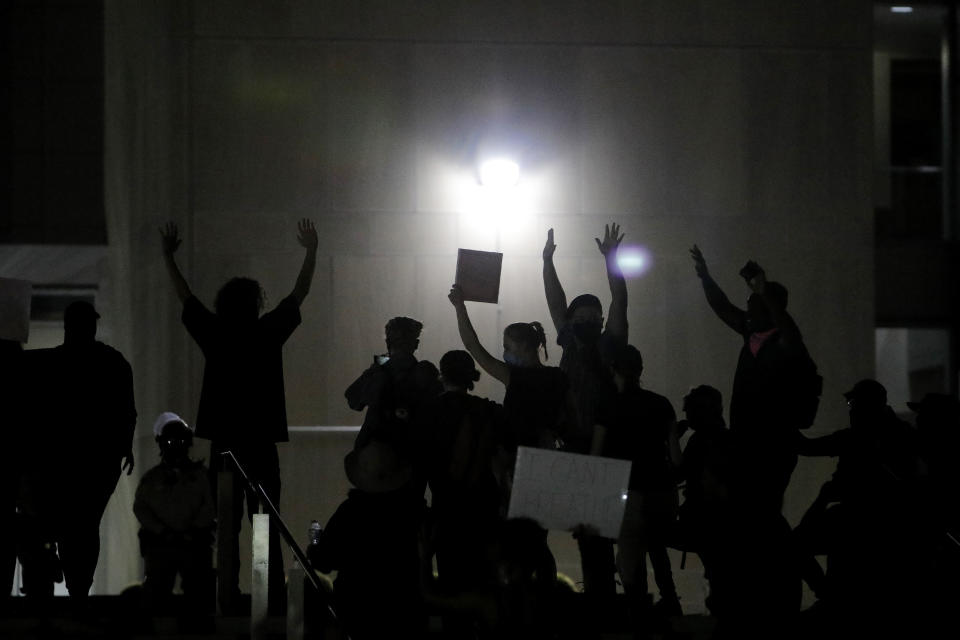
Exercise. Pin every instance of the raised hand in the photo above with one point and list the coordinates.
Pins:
(611, 239)
(758, 283)
(699, 263)
(170, 238)
(455, 296)
(307, 235)
(549, 247)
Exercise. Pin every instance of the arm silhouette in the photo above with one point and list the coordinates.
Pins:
(732, 316)
(170, 238)
(617, 316)
(556, 298)
(307, 237)
(496, 368)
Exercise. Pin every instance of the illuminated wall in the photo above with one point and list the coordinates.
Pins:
(744, 127)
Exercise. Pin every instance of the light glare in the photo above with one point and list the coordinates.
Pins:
(901, 9)
(632, 260)
(499, 173)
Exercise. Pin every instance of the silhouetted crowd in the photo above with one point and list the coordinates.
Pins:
(886, 522)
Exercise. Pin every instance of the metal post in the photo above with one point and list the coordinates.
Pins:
(226, 545)
(259, 583)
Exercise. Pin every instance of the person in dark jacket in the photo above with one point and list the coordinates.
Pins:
(771, 381)
(94, 416)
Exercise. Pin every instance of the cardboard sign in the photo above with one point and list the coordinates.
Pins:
(478, 274)
(562, 490)
(15, 309)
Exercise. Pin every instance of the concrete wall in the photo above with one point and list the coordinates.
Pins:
(744, 127)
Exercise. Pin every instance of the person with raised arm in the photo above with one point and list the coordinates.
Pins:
(588, 344)
(242, 402)
(776, 388)
(536, 395)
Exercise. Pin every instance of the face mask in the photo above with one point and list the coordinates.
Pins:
(587, 332)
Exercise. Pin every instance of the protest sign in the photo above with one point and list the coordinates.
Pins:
(562, 490)
(478, 274)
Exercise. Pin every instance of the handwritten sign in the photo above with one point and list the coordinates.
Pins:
(478, 274)
(562, 490)
(15, 309)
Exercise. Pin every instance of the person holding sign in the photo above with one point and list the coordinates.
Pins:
(587, 344)
(536, 397)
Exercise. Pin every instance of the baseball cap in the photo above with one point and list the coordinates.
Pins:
(166, 418)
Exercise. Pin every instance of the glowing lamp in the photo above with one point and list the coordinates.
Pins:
(499, 173)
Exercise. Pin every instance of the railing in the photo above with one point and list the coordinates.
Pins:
(273, 513)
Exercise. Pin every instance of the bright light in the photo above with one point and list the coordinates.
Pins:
(633, 260)
(902, 9)
(499, 173)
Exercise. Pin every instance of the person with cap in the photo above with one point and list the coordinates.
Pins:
(635, 425)
(242, 405)
(775, 388)
(87, 426)
(587, 343)
(859, 508)
(394, 389)
(175, 508)
(371, 542)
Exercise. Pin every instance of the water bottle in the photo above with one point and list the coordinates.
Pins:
(313, 533)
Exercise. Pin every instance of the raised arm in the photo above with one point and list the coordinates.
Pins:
(556, 298)
(307, 237)
(617, 317)
(732, 316)
(496, 368)
(170, 238)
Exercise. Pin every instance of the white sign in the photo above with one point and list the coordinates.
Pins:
(562, 490)
(15, 309)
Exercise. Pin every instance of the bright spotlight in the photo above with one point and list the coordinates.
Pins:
(499, 173)
(632, 260)
(901, 9)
